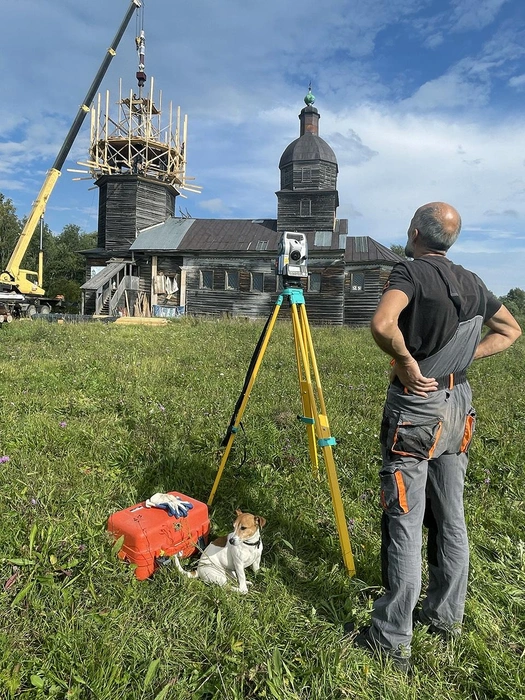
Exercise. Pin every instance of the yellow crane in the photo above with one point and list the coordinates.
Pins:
(15, 282)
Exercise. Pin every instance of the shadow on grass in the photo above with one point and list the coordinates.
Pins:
(300, 545)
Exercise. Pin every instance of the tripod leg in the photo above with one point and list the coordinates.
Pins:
(326, 441)
(249, 385)
(307, 397)
(337, 502)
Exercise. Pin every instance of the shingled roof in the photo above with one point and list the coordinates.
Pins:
(308, 147)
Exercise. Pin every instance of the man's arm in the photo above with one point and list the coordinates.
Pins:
(386, 333)
(503, 331)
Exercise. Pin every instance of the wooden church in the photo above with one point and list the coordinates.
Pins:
(150, 262)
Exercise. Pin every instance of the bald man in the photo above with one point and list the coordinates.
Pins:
(429, 321)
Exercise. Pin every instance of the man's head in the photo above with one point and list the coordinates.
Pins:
(434, 228)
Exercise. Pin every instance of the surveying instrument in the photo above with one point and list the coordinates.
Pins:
(292, 266)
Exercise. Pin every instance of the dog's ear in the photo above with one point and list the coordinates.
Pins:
(238, 511)
(259, 519)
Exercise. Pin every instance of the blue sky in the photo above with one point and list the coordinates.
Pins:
(421, 100)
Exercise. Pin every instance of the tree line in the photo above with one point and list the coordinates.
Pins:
(64, 267)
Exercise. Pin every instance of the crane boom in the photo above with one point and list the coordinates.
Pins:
(13, 275)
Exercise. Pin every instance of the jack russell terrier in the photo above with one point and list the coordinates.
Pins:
(226, 558)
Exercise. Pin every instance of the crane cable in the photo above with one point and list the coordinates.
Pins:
(140, 41)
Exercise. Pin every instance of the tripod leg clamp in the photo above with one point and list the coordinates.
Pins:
(326, 442)
(304, 419)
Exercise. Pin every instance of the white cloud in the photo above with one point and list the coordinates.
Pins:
(507, 213)
(215, 206)
(449, 91)
(417, 162)
(474, 14)
(518, 82)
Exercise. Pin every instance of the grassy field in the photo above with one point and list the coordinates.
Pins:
(95, 418)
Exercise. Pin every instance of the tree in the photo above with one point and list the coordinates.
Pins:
(514, 300)
(398, 250)
(10, 228)
(65, 267)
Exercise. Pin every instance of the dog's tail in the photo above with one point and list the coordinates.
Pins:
(189, 574)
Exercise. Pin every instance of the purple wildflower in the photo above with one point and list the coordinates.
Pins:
(4, 458)
(62, 423)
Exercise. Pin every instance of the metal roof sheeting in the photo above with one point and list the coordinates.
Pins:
(365, 249)
(257, 236)
(165, 236)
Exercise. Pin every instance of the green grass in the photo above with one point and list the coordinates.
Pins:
(95, 418)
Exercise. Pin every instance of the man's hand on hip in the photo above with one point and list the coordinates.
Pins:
(410, 376)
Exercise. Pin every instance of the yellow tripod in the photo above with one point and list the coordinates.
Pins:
(315, 419)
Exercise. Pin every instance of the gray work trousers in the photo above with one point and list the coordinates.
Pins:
(425, 453)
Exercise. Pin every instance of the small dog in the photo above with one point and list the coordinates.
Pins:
(226, 558)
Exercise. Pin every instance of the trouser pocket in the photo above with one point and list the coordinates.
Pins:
(410, 436)
(393, 491)
(470, 426)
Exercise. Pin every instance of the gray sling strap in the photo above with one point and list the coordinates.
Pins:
(458, 353)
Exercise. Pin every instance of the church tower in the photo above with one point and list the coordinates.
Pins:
(137, 158)
(308, 198)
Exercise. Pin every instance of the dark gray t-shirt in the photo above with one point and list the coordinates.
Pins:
(431, 317)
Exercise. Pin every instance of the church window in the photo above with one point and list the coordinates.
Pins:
(314, 282)
(261, 245)
(305, 207)
(357, 281)
(232, 279)
(306, 174)
(206, 279)
(287, 178)
(257, 282)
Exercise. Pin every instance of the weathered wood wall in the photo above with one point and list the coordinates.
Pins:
(323, 176)
(220, 301)
(127, 204)
(359, 307)
(323, 203)
(323, 307)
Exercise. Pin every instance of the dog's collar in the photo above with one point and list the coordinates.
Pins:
(253, 544)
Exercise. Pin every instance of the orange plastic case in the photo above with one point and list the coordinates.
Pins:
(150, 533)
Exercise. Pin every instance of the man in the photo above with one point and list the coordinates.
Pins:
(429, 320)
